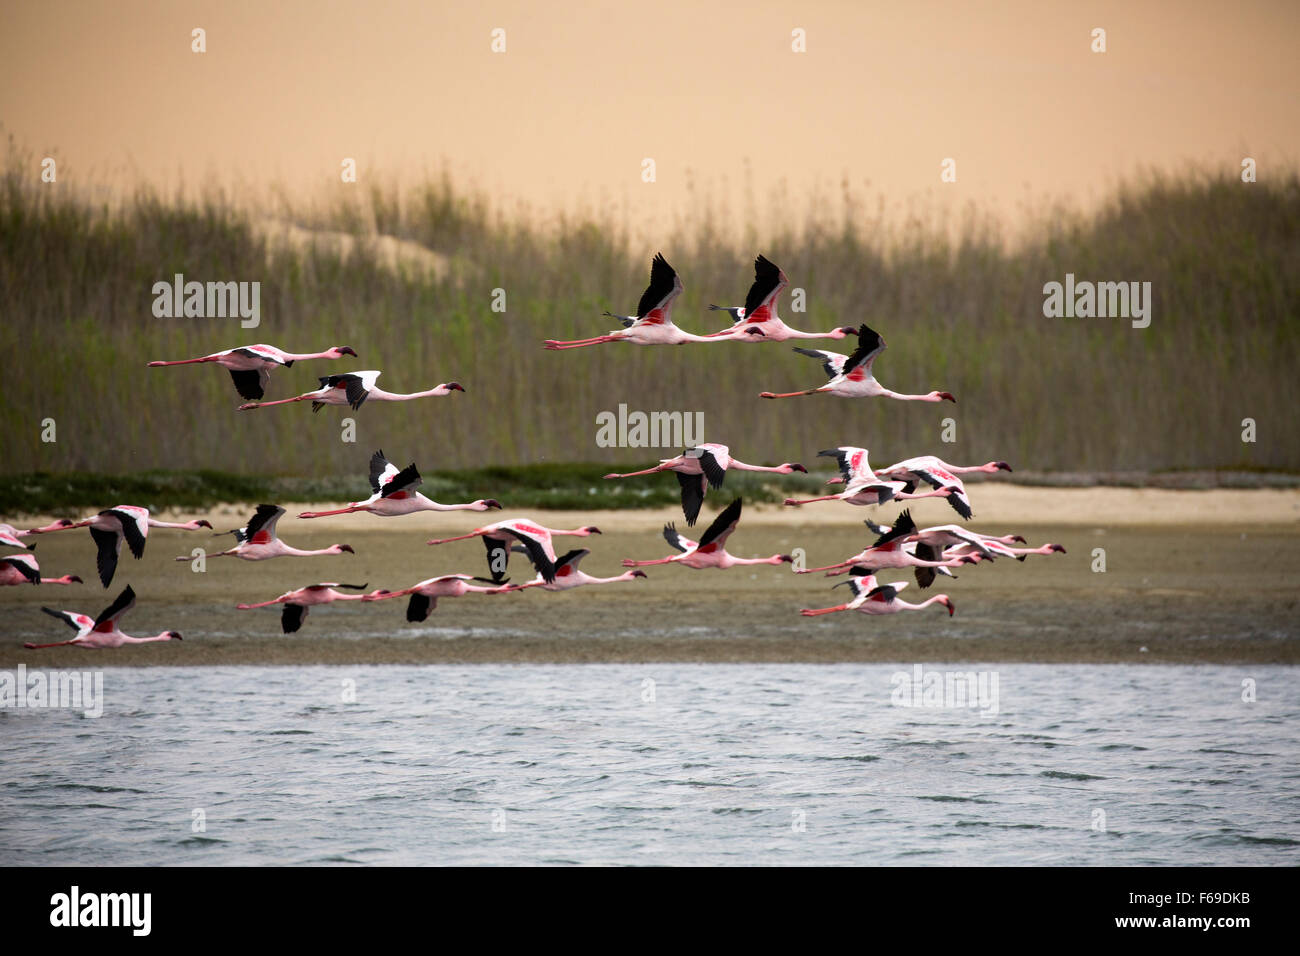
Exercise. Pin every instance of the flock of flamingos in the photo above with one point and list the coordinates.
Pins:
(928, 551)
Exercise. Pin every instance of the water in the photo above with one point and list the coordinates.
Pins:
(728, 764)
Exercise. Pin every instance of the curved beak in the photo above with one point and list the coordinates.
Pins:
(1059, 547)
(75, 579)
(347, 548)
(849, 330)
(638, 574)
(204, 524)
(593, 531)
(799, 468)
(456, 386)
(492, 503)
(345, 350)
(1003, 466)
(176, 635)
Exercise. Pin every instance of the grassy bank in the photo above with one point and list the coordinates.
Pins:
(412, 288)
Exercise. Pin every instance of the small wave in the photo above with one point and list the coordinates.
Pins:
(1069, 775)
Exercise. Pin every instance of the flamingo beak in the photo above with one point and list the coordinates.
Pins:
(1019, 538)
(492, 503)
(455, 386)
(849, 330)
(952, 608)
(345, 350)
(1003, 466)
(175, 635)
(947, 397)
(787, 559)
(593, 531)
(799, 468)
(203, 524)
(347, 548)
(1059, 547)
(76, 580)
(639, 574)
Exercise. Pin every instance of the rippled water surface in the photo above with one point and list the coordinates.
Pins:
(662, 764)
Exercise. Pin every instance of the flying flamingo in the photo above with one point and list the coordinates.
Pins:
(944, 542)
(298, 603)
(250, 366)
(862, 487)
(257, 541)
(424, 596)
(997, 548)
(498, 538)
(703, 466)
(9, 537)
(568, 575)
(883, 599)
(652, 324)
(113, 525)
(853, 379)
(102, 632)
(23, 569)
(711, 550)
(888, 551)
(939, 474)
(759, 311)
(395, 494)
(352, 389)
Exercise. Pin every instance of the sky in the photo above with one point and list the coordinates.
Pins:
(714, 94)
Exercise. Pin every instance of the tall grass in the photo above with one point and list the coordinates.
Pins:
(960, 309)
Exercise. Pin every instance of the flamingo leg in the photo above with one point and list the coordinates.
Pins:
(629, 563)
(810, 391)
(181, 362)
(809, 612)
(35, 647)
(248, 607)
(632, 474)
(829, 567)
(555, 346)
(283, 401)
(338, 511)
(805, 501)
(459, 537)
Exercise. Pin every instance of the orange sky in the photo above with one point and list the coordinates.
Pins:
(711, 92)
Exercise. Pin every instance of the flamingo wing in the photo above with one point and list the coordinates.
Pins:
(135, 526)
(107, 544)
(264, 520)
(692, 495)
(663, 288)
(870, 344)
(250, 383)
(292, 616)
(832, 362)
(901, 529)
(406, 480)
(569, 561)
(381, 471)
(723, 525)
(419, 607)
(760, 303)
(24, 564)
(81, 623)
(109, 617)
(714, 470)
(536, 553)
(678, 540)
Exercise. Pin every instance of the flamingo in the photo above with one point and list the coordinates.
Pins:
(862, 487)
(23, 569)
(883, 599)
(102, 632)
(939, 474)
(424, 596)
(257, 541)
(250, 365)
(703, 466)
(1003, 550)
(497, 538)
(711, 550)
(395, 494)
(352, 389)
(568, 575)
(759, 311)
(113, 525)
(653, 324)
(851, 377)
(888, 551)
(9, 537)
(298, 603)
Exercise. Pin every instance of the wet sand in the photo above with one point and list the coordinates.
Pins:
(1191, 576)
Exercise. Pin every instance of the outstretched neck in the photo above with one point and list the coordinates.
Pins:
(378, 394)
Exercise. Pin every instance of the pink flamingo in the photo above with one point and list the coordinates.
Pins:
(759, 311)
(702, 467)
(257, 541)
(652, 324)
(498, 538)
(23, 569)
(424, 596)
(250, 366)
(853, 379)
(102, 632)
(889, 551)
(568, 575)
(297, 603)
(112, 526)
(862, 487)
(883, 599)
(395, 494)
(9, 537)
(353, 389)
(710, 551)
(939, 474)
